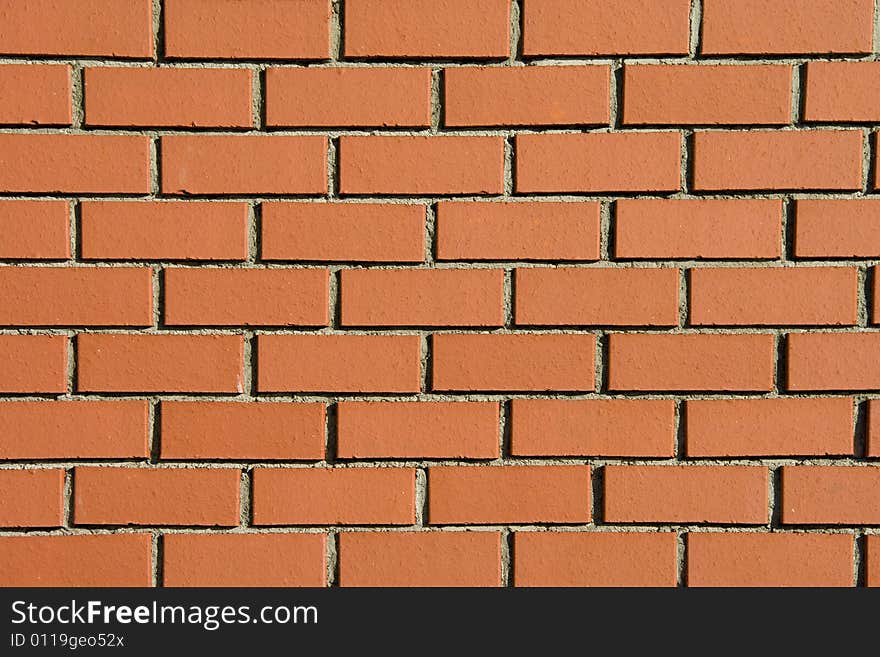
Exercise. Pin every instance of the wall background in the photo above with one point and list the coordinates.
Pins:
(463, 292)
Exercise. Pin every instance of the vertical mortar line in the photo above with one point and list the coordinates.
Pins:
(679, 424)
(258, 100)
(687, 137)
(864, 295)
(336, 19)
(154, 420)
(331, 431)
(696, 28)
(867, 148)
(425, 364)
(505, 428)
(421, 497)
(860, 427)
(681, 557)
(506, 557)
(860, 558)
(335, 298)
(67, 497)
(606, 209)
(332, 166)
(683, 293)
(876, 28)
(71, 363)
(157, 546)
(601, 357)
(778, 362)
(509, 300)
(74, 229)
(155, 164)
(436, 99)
(774, 497)
(158, 31)
(248, 383)
(798, 92)
(509, 147)
(245, 492)
(615, 95)
(255, 210)
(332, 557)
(430, 233)
(77, 89)
(786, 248)
(157, 295)
(515, 31)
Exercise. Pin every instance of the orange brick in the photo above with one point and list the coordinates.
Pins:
(421, 165)
(154, 496)
(348, 96)
(593, 427)
(424, 28)
(160, 363)
(242, 431)
(513, 362)
(74, 430)
(168, 97)
(842, 91)
(32, 498)
(606, 27)
(100, 164)
(244, 164)
(837, 228)
(420, 559)
(791, 159)
(77, 560)
(777, 295)
(595, 559)
(334, 496)
(78, 296)
(96, 27)
(422, 297)
(698, 228)
(830, 495)
(33, 363)
(526, 95)
(770, 559)
(690, 362)
(686, 494)
(35, 230)
(253, 560)
(755, 27)
(246, 297)
(769, 427)
(339, 363)
(35, 95)
(508, 495)
(517, 231)
(706, 94)
(192, 230)
(364, 232)
(452, 430)
(833, 361)
(598, 162)
(593, 297)
(261, 29)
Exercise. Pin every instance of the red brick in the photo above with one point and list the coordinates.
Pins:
(420, 559)
(364, 232)
(769, 427)
(593, 427)
(593, 297)
(100, 164)
(691, 362)
(242, 431)
(606, 27)
(137, 230)
(348, 96)
(32, 498)
(598, 162)
(35, 230)
(873, 437)
(459, 495)
(334, 496)
(830, 495)
(837, 228)
(706, 94)
(526, 95)
(78, 560)
(769, 559)
(842, 91)
(790, 159)
(833, 361)
(33, 363)
(698, 228)
(169, 97)
(239, 164)
(426, 28)
(159, 363)
(154, 496)
(422, 297)
(873, 562)
(339, 363)
(59, 27)
(517, 231)
(756, 27)
(777, 295)
(399, 430)
(78, 296)
(595, 559)
(259, 29)
(253, 560)
(513, 362)
(35, 95)
(246, 297)
(74, 430)
(421, 165)
(686, 494)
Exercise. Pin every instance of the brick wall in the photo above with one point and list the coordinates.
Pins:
(471, 292)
